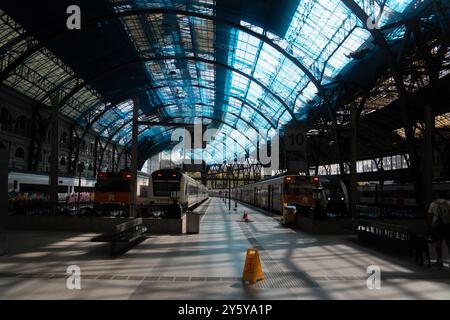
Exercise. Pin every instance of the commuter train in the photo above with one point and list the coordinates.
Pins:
(113, 190)
(167, 186)
(394, 195)
(27, 186)
(322, 195)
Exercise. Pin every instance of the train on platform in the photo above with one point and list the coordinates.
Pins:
(319, 195)
(158, 192)
(393, 200)
(394, 194)
(169, 186)
(24, 186)
(29, 193)
(113, 192)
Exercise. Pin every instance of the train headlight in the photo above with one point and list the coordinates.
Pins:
(329, 199)
(342, 198)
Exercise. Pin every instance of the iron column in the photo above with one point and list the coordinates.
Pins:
(134, 159)
(54, 155)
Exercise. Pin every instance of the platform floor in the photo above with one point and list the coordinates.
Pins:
(209, 265)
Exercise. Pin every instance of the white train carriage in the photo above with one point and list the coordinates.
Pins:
(394, 194)
(167, 186)
(29, 183)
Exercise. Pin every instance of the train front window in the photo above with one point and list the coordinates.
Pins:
(333, 192)
(289, 189)
(294, 189)
(165, 188)
(113, 186)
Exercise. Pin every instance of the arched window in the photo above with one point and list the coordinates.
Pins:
(90, 167)
(21, 125)
(20, 153)
(4, 119)
(80, 167)
(83, 147)
(63, 138)
(73, 164)
(62, 161)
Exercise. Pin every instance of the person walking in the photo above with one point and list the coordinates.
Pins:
(439, 217)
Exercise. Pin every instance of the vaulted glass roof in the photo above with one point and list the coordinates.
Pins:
(211, 60)
(237, 72)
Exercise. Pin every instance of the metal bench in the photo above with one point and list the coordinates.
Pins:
(123, 236)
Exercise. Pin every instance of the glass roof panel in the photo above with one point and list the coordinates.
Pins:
(187, 58)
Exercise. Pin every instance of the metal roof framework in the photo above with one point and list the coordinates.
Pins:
(204, 62)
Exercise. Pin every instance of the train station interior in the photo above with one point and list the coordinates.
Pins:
(225, 150)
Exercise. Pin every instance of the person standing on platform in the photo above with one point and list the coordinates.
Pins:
(439, 215)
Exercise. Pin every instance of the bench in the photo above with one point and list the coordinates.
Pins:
(388, 236)
(123, 236)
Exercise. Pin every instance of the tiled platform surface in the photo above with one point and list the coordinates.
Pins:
(209, 265)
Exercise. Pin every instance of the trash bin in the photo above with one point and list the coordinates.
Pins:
(289, 215)
(192, 222)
